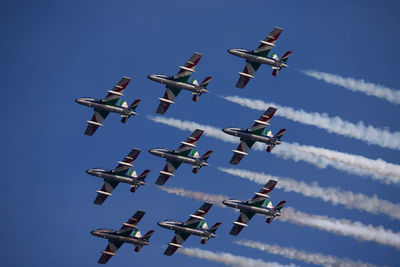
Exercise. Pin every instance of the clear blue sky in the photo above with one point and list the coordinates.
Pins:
(55, 51)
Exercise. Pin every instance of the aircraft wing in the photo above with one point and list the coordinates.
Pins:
(110, 250)
(97, 120)
(248, 73)
(124, 165)
(105, 191)
(187, 70)
(244, 218)
(241, 151)
(118, 91)
(170, 94)
(189, 143)
(263, 194)
(110, 99)
(168, 171)
(183, 76)
(176, 243)
(198, 216)
(269, 42)
(262, 51)
(131, 224)
(260, 124)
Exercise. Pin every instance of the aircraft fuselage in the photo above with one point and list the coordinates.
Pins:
(169, 155)
(244, 206)
(243, 133)
(107, 175)
(178, 226)
(249, 55)
(93, 103)
(112, 235)
(164, 79)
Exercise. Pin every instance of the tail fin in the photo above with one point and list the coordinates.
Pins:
(203, 158)
(141, 178)
(279, 134)
(283, 59)
(132, 107)
(286, 56)
(214, 228)
(204, 84)
(280, 205)
(148, 235)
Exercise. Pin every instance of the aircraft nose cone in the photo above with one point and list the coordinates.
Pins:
(225, 130)
(224, 202)
(93, 232)
(230, 51)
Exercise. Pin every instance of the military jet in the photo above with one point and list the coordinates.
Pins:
(195, 225)
(102, 107)
(121, 174)
(260, 56)
(123, 235)
(257, 133)
(249, 208)
(180, 81)
(184, 154)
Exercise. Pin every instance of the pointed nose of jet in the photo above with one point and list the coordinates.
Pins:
(230, 51)
(89, 171)
(225, 130)
(79, 101)
(93, 232)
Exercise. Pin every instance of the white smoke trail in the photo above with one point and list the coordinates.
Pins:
(360, 131)
(320, 157)
(333, 195)
(301, 255)
(378, 169)
(343, 227)
(214, 199)
(227, 258)
(370, 89)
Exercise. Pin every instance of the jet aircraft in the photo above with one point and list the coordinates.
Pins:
(123, 235)
(249, 208)
(195, 225)
(180, 81)
(184, 154)
(260, 56)
(121, 174)
(102, 107)
(257, 133)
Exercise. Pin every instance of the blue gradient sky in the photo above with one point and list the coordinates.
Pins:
(54, 52)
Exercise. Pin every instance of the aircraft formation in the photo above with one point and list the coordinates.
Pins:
(185, 153)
